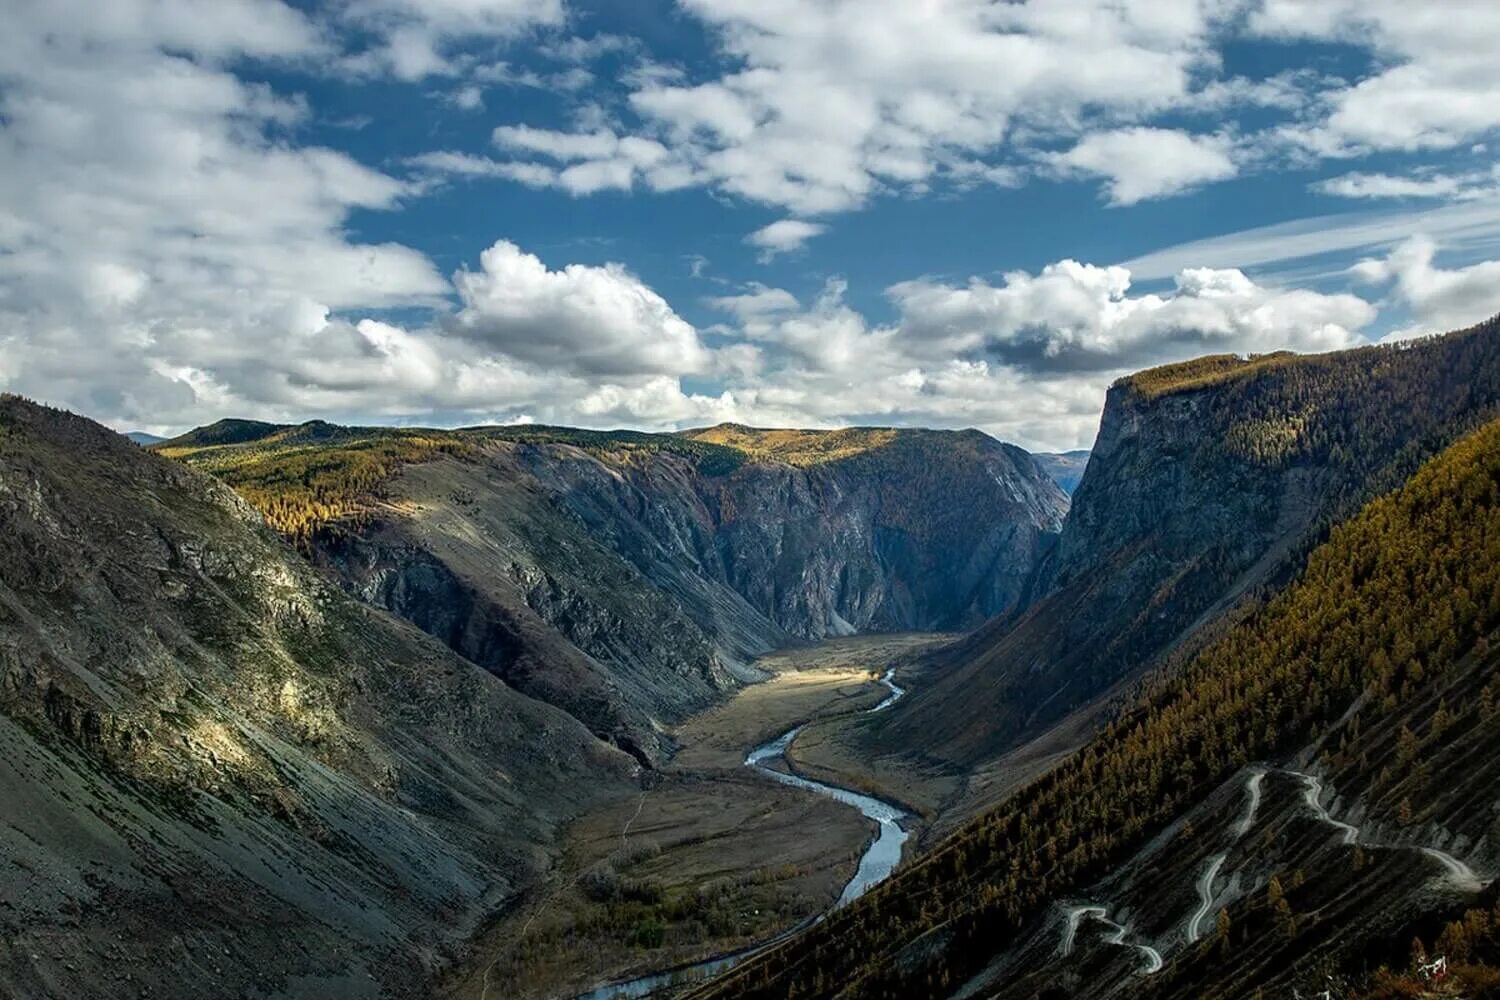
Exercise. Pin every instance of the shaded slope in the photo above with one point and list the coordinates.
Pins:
(1208, 481)
(1395, 612)
(219, 775)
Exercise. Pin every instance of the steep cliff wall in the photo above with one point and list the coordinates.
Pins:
(1209, 480)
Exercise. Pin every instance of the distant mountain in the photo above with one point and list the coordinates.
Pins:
(630, 578)
(1065, 468)
(222, 776)
(143, 439)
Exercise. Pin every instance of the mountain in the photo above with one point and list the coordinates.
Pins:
(1065, 468)
(1207, 486)
(143, 439)
(223, 776)
(1284, 811)
(630, 578)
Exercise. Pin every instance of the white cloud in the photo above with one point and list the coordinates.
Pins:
(582, 162)
(1464, 186)
(1143, 163)
(442, 164)
(1076, 317)
(1439, 300)
(415, 39)
(1027, 359)
(1359, 185)
(578, 320)
(758, 300)
(469, 98)
(1435, 79)
(160, 240)
(819, 108)
(784, 236)
(824, 105)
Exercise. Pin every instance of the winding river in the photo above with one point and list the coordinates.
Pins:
(877, 863)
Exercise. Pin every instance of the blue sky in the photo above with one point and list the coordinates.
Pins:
(664, 214)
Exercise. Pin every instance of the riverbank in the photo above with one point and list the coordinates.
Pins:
(713, 858)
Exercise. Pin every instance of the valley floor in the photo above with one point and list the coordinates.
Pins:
(710, 857)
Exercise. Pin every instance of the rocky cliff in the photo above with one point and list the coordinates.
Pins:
(630, 578)
(1209, 482)
(221, 775)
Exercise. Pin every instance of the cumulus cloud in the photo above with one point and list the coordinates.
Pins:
(578, 320)
(1439, 299)
(1144, 163)
(158, 240)
(784, 236)
(1027, 358)
(1080, 317)
(586, 162)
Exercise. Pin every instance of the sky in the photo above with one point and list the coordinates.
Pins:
(657, 214)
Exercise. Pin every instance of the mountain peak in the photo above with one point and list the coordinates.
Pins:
(230, 430)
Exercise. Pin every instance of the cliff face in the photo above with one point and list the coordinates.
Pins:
(630, 578)
(932, 531)
(1209, 481)
(210, 751)
(616, 628)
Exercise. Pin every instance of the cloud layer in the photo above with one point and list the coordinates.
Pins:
(175, 248)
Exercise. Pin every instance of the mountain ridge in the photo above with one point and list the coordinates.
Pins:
(645, 571)
(211, 749)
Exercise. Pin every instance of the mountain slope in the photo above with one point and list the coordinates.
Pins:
(629, 578)
(1208, 482)
(222, 776)
(1375, 667)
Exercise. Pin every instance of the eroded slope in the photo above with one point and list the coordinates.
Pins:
(219, 775)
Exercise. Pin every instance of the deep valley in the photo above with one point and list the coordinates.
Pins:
(538, 712)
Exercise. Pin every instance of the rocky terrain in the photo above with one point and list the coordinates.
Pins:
(1208, 484)
(1280, 806)
(221, 775)
(630, 578)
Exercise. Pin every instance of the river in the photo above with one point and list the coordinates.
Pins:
(877, 863)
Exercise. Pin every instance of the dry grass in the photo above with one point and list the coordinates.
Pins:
(793, 446)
